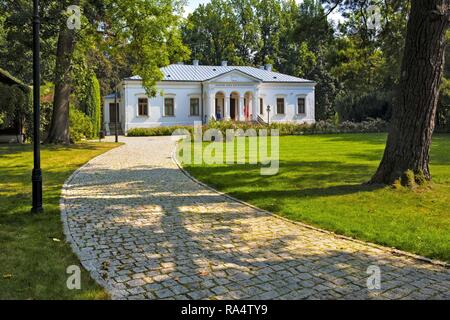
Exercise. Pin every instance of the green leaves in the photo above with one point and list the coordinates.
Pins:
(147, 32)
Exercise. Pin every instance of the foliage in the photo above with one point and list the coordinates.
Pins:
(47, 93)
(320, 127)
(15, 105)
(81, 126)
(350, 62)
(146, 31)
(16, 48)
(361, 108)
(211, 32)
(443, 111)
(321, 182)
(91, 103)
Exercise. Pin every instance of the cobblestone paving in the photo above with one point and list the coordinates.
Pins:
(146, 231)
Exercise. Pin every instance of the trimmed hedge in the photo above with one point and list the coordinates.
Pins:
(92, 105)
(285, 129)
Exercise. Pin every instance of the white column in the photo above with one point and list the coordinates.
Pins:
(241, 108)
(211, 107)
(106, 116)
(226, 107)
(255, 102)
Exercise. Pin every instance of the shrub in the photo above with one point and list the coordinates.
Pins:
(81, 126)
(285, 129)
(157, 131)
(363, 108)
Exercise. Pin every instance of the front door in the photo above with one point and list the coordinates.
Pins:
(112, 113)
(233, 108)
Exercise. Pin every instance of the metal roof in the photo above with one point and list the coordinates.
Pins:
(112, 96)
(180, 72)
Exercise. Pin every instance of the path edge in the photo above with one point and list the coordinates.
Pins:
(394, 251)
(85, 263)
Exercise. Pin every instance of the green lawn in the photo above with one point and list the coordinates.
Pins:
(320, 183)
(32, 264)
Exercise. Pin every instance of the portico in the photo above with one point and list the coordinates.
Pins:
(232, 96)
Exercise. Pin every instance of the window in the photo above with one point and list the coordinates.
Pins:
(261, 106)
(280, 105)
(143, 106)
(301, 105)
(169, 107)
(195, 106)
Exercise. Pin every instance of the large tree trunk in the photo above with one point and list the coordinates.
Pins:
(413, 118)
(59, 127)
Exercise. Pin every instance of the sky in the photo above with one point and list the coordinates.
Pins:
(193, 4)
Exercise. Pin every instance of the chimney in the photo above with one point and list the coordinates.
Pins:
(195, 62)
(180, 63)
(268, 67)
(262, 67)
(224, 63)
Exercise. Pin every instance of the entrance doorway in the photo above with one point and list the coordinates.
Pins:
(233, 108)
(112, 113)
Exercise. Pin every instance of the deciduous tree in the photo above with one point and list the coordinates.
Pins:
(413, 120)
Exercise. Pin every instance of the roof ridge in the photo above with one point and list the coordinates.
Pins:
(200, 73)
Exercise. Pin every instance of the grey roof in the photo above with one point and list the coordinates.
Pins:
(179, 72)
(112, 96)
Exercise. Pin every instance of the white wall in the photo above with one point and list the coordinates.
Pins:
(131, 91)
(181, 94)
(290, 93)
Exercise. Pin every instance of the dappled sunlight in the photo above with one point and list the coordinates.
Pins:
(322, 181)
(149, 230)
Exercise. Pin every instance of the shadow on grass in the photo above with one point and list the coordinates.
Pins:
(190, 241)
(295, 179)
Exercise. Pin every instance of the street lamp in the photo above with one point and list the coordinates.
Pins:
(268, 114)
(36, 176)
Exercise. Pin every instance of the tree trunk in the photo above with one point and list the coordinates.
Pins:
(413, 118)
(59, 127)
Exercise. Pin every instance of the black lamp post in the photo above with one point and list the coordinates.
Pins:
(36, 177)
(268, 114)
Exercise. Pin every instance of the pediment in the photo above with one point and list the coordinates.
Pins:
(234, 76)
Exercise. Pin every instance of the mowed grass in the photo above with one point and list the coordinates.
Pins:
(34, 255)
(320, 182)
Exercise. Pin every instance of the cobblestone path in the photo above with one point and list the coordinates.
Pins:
(146, 231)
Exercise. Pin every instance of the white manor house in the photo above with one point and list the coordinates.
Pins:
(190, 93)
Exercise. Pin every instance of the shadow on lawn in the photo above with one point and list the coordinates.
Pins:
(192, 241)
(295, 179)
